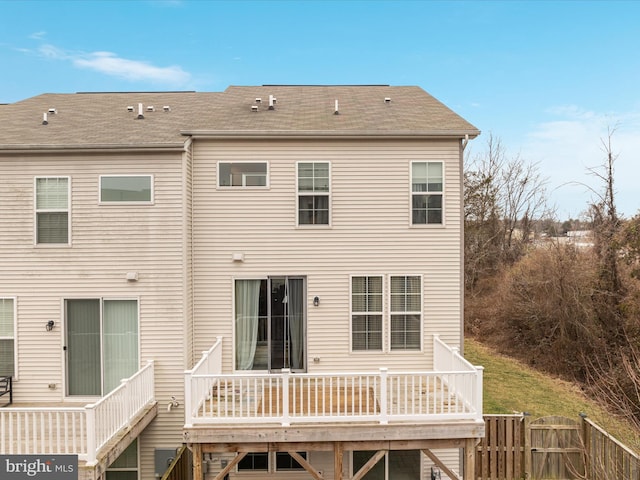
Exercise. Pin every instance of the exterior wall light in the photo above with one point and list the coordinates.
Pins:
(316, 301)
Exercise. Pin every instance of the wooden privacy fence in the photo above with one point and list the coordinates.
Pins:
(558, 448)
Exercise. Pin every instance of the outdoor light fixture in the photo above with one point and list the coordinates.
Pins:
(50, 325)
(316, 301)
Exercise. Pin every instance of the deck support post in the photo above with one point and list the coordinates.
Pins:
(338, 451)
(196, 449)
(470, 458)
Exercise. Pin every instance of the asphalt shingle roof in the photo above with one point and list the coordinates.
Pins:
(102, 120)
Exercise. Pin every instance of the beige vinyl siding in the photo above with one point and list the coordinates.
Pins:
(107, 242)
(370, 235)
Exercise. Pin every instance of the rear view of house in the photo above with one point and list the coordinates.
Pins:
(276, 271)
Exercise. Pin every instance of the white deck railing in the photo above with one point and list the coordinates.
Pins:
(78, 431)
(448, 359)
(452, 391)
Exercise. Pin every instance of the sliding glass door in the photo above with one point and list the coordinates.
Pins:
(270, 324)
(102, 344)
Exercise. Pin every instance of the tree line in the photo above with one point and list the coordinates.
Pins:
(568, 310)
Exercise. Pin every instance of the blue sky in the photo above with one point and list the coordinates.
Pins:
(546, 77)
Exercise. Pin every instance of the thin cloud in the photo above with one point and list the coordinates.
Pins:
(111, 64)
(38, 35)
(569, 146)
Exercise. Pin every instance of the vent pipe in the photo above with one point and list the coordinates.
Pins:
(140, 114)
(271, 102)
(44, 119)
(336, 111)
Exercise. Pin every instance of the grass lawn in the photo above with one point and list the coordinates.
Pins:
(512, 387)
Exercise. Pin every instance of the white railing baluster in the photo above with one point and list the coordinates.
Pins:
(451, 391)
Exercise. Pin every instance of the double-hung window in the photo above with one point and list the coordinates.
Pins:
(7, 337)
(406, 312)
(427, 191)
(402, 319)
(366, 313)
(52, 210)
(126, 189)
(242, 174)
(313, 193)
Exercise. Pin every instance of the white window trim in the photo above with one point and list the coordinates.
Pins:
(81, 398)
(111, 202)
(328, 194)
(36, 211)
(243, 187)
(15, 335)
(412, 193)
(421, 313)
(352, 313)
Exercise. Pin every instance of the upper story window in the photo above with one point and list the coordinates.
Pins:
(7, 337)
(406, 312)
(242, 174)
(313, 193)
(126, 189)
(366, 313)
(427, 188)
(52, 209)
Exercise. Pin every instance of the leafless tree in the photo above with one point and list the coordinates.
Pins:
(503, 196)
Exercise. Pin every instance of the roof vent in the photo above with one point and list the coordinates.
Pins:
(53, 111)
(336, 111)
(130, 108)
(150, 108)
(166, 108)
(258, 100)
(387, 99)
(44, 119)
(272, 100)
(140, 114)
(254, 108)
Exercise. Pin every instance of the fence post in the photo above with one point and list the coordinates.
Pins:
(586, 442)
(527, 445)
